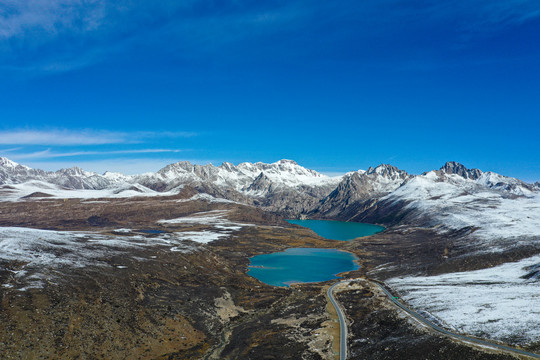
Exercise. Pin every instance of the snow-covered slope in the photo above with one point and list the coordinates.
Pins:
(497, 214)
(40, 189)
(452, 197)
(512, 185)
(501, 303)
(488, 179)
(38, 252)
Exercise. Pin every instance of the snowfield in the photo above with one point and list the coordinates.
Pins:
(209, 199)
(18, 191)
(497, 303)
(500, 219)
(33, 254)
(216, 218)
(503, 212)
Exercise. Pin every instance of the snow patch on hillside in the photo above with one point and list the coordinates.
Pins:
(202, 237)
(215, 218)
(33, 256)
(498, 302)
(205, 217)
(19, 191)
(458, 203)
(208, 198)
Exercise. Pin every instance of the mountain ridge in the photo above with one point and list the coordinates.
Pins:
(380, 194)
(484, 211)
(247, 177)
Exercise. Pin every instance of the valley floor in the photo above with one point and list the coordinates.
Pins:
(97, 285)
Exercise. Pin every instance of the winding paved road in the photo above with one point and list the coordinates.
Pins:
(342, 322)
(437, 328)
(343, 325)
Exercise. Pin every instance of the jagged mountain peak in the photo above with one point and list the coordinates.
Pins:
(261, 184)
(9, 164)
(293, 167)
(115, 177)
(227, 166)
(287, 170)
(386, 170)
(279, 163)
(186, 168)
(453, 167)
(261, 176)
(74, 171)
(456, 174)
(183, 163)
(286, 162)
(112, 173)
(270, 180)
(359, 187)
(180, 165)
(509, 184)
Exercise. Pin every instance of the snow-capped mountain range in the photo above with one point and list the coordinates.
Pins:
(241, 178)
(282, 186)
(450, 198)
(259, 179)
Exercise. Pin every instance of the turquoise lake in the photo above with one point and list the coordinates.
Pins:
(339, 230)
(301, 265)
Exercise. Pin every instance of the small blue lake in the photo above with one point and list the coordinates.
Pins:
(301, 265)
(339, 230)
(150, 231)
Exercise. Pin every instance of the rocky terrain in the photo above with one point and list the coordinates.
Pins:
(100, 286)
(155, 265)
(380, 333)
(283, 186)
(489, 212)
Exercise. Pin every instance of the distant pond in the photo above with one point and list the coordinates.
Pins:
(301, 265)
(150, 231)
(339, 230)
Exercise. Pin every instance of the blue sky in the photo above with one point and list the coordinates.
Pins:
(336, 86)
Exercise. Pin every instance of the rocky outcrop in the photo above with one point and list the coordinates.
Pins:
(355, 191)
(261, 185)
(453, 167)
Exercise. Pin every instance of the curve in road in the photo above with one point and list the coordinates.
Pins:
(342, 322)
(437, 328)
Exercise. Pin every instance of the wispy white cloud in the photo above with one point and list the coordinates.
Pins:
(46, 29)
(61, 137)
(42, 36)
(49, 16)
(48, 154)
(81, 137)
(10, 150)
